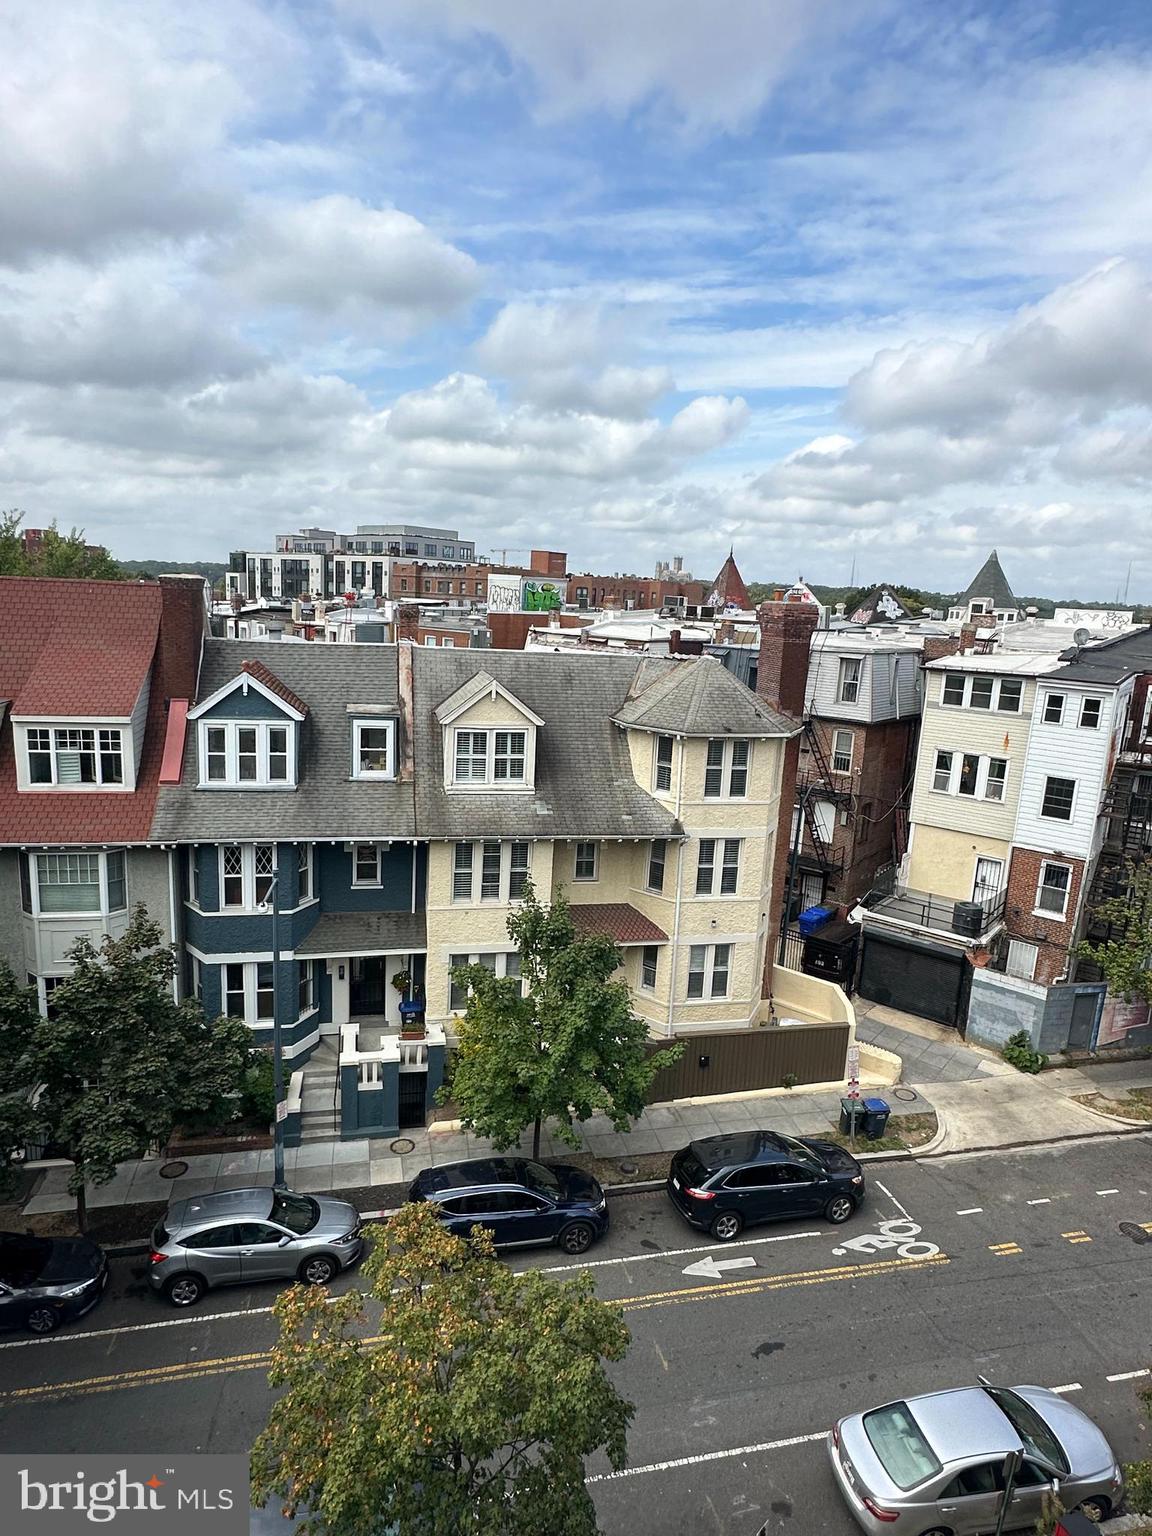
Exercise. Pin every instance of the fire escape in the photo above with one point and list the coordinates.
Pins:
(816, 781)
(1127, 840)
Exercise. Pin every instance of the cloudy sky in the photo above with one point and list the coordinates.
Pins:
(832, 280)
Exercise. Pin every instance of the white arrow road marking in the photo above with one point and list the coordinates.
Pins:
(714, 1268)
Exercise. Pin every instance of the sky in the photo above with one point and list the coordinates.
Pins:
(851, 285)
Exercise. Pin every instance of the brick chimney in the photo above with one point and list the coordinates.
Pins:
(407, 622)
(786, 630)
(936, 647)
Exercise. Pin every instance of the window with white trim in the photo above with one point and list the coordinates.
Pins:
(981, 690)
(74, 884)
(373, 749)
(586, 864)
(1091, 710)
(708, 970)
(657, 856)
(971, 774)
(649, 966)
(1059, 795)
(1022, 958)
(248, 991)
(366, 864)
(843, 743)
(500, 964)
(504, 868)
(495, 757)
(194, 876)
(662, 764)
(1053, 709)
(728, 850)
(304, 990)
(1053, 889)
(196, 978)
(246, 872)
(73, 757)
(727, 763)
(246, 754)
(848, 681)
(303, 872)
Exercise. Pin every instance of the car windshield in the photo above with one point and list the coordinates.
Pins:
(296, 1212)
(22, 1259)
(536, 1176)
(1031, 1428)
(800, 1152)
(691, 1169)
(898, 1441)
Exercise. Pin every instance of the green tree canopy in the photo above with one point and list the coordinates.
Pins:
(1123, 957)
(558, 1044)
(20, 1120)
(56, 554)
(122, 1062)
(468, 1412)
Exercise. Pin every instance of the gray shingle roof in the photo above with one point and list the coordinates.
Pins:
(699, 697)
(990, 582)
(356, 933)
(1107, 663)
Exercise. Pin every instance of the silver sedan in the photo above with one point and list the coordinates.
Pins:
(245, 1235)
(942, 1464)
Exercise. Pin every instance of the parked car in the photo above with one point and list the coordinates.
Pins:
(46, 1281)
(521, 1202)
(935, 1465)
(722, 1184)
(244, 1235)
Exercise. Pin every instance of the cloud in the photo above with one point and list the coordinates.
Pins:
(337, 255)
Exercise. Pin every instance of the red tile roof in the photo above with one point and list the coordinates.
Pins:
(265, 675)
(617, 920)
(84, 648)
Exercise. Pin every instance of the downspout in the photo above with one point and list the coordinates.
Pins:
(670, 1030)
(176, 937)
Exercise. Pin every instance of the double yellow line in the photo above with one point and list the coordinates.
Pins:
(164, 1375)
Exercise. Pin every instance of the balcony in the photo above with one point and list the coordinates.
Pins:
(970, 922)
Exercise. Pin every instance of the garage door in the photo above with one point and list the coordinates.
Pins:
(924, 979)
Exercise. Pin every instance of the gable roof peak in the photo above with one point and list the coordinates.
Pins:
(472, 690)
(728, 590)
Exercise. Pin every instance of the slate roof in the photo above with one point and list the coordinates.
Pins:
(367, 933)
(618, 920)
(990, 582)
(699, 697)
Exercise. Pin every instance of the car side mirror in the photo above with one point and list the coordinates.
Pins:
(284, 1241)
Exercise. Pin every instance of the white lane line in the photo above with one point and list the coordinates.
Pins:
(676, 1253)
(1128, 1375)
(1069, 1386)
(164, 1322)
(1108, 1192)
(1045, 1201)
(902, 1209)
(695, 1461)
(973, 1210)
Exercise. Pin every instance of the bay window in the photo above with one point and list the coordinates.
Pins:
(248, 991)
(246, 873)
(74, 883)
(727, 763)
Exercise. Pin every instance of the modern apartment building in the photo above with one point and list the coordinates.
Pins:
(321, 563)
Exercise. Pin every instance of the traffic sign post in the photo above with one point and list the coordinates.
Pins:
(853, 1090)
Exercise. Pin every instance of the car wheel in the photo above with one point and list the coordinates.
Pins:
(576, 1237)
(727, 1226)
(1095, 1509)
(318, 1270)
(839, 1208)
(185, 1290)
(42, 1320)
(937, 1530)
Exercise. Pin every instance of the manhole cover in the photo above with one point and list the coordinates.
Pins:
(907, 1094)
(402, 1144)
(1137, 1233)
(174, 1169)
(629, 1168)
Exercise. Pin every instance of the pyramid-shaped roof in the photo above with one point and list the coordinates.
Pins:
(879, 607)
(990, 582)
(728, 590)
(699, 697)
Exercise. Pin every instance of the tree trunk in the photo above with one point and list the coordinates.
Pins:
(536, 1138)
(82, 1207)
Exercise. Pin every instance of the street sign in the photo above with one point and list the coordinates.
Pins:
(714, 1269)
(282, 1110)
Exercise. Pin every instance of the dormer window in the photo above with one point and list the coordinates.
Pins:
(66, 756)
(373, 749)
(235, 755)
(489, 737)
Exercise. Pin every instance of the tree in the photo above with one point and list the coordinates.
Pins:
(1124, 955)
(56, 554)
(21, 1121)
(470, 1410)
(569, 1046)
(122, 1062)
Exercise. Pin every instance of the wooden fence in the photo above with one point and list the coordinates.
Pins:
(739, 1061)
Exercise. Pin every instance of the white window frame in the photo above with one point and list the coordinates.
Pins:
(231, 730)
(849, 676)
(1016, 949)
(248, 875)
(662, 862)
(644, 984)
(475, 871)
(727, 767)
(984, 761)
(250, 993)
(708, 971)
(98, 729)
(835, 753)
(504, 963)
(1064, 779)
(373, 881)
(723, 877)
(1093, 725)
(305, 988)
(994, 703)
(1037, 909)
(305, 867)
(1059, 702)
(196, 978)
(490, 733)
(660, 769)
(578, 857)
(60, 860)
(368, 723)
(194, 886)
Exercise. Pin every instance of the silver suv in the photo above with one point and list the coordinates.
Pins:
(244, 1235)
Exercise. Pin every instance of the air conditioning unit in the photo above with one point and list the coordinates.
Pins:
(968, 918)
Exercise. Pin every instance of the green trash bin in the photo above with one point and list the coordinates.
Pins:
(851, 1117)
(876, 1113)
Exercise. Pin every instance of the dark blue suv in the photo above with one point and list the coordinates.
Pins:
(521, 1202)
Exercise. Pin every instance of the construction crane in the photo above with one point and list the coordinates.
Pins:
(504, 553)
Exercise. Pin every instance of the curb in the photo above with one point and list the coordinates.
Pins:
(1102, 1114)
(1145, 1128)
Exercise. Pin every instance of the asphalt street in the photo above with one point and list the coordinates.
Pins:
(1026, 1267)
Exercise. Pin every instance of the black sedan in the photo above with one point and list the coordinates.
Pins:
(46, 1281)
(722, 1184)
(521, 1202)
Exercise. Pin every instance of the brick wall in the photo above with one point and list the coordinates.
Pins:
(1052, 935)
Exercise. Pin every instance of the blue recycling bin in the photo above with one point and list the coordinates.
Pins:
(876, 1112)
(412, 1010)
(814, 918)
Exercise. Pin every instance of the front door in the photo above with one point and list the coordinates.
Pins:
(368, 990)
(989, 878)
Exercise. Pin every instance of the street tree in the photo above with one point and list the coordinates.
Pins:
(21, 1121)
(469, 1410)
(558, 1043)
(121, 1062)
(1123, 957)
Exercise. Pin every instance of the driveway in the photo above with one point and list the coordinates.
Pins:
(926, 1060)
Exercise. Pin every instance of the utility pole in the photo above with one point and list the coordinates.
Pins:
(277, 1043)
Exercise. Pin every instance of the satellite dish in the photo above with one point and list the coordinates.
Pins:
(1081, 636)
